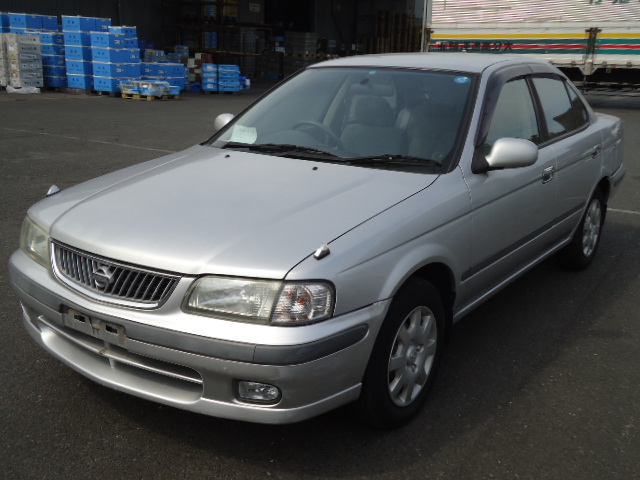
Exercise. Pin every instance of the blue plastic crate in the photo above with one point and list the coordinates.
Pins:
(75, 52)
(106, 84)
(81, 39)
(54, 60)
(175, 89)
(129, 32)
(52, 49)
(228, 76)
(79, 67)
(209, 67)
(222, 88)
(19, 30)
(228, 69)
(80, 81)
(78, 24)
(117, 70)
(4, 22)
(172, 70)
(54, 70)
(49, 22)
(107, 40)
(51, 38)
(210, 86)
(55, 81)
(178, 81)
(210, 75)
(151, 69)
(102, 24)
(116, 55)
(24, 20)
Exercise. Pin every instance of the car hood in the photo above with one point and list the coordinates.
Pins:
(226, 212)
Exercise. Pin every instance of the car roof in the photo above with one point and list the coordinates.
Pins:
(467, 62)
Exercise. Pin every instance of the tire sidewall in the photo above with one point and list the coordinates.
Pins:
(377, 409)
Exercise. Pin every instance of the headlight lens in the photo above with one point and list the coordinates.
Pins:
(34, 241)
(260, 301)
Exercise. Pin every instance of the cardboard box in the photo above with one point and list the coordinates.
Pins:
(14, 38)
(27, 82)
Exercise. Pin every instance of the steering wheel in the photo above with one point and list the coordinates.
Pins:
(330, 136)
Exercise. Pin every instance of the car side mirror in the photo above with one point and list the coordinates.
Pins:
(506, 153)
(222, 120)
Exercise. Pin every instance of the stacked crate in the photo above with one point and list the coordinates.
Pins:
(77, 46)
(54, 67)
(228, 78)
(209, 77)
(20, 22)
(24, 56)
(173, 73)
(4, 63)
(300, 51)
(115, 58)
(395, 32)
(4, 22)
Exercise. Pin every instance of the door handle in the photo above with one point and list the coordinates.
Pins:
(548, 174)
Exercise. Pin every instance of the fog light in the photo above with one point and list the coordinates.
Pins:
(257, 392)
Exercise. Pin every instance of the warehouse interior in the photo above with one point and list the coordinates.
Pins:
(253, 33)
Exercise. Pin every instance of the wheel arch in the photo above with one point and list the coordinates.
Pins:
(442, 278)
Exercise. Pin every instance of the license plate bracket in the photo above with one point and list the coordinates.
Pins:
(107, 331)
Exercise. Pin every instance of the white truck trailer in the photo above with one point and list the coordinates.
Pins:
(596, 42)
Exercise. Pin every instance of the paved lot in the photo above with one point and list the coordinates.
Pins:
(542, 381)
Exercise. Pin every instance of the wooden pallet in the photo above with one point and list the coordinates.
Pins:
(149, 98)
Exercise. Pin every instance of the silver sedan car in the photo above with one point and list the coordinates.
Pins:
(317, 250)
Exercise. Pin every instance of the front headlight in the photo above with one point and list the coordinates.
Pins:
(34, 241)
(261, 301)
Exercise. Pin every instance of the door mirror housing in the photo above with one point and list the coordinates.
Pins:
(222, 120)
(506, 153)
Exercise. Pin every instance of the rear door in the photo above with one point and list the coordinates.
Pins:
(577, 144)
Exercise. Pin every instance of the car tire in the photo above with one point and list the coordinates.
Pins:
(405, 357)
(579, 254)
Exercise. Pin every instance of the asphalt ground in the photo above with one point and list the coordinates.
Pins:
(542, 381)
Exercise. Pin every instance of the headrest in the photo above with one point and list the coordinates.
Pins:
(374, 111)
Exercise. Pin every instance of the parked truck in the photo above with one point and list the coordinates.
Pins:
(595, 42)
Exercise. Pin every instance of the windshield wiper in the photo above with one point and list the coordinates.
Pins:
(389, 159)
(283, 149)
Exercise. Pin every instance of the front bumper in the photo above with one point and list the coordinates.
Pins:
(317, 367)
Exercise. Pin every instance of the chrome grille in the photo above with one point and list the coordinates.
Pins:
(111, 281)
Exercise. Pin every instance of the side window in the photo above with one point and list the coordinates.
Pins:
(579, 110)
(515, 115)
(562, 115)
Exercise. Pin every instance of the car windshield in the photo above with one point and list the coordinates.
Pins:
(375, 117)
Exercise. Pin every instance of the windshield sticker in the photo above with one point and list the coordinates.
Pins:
(242, 134)
(462, 80)
(373, 72)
